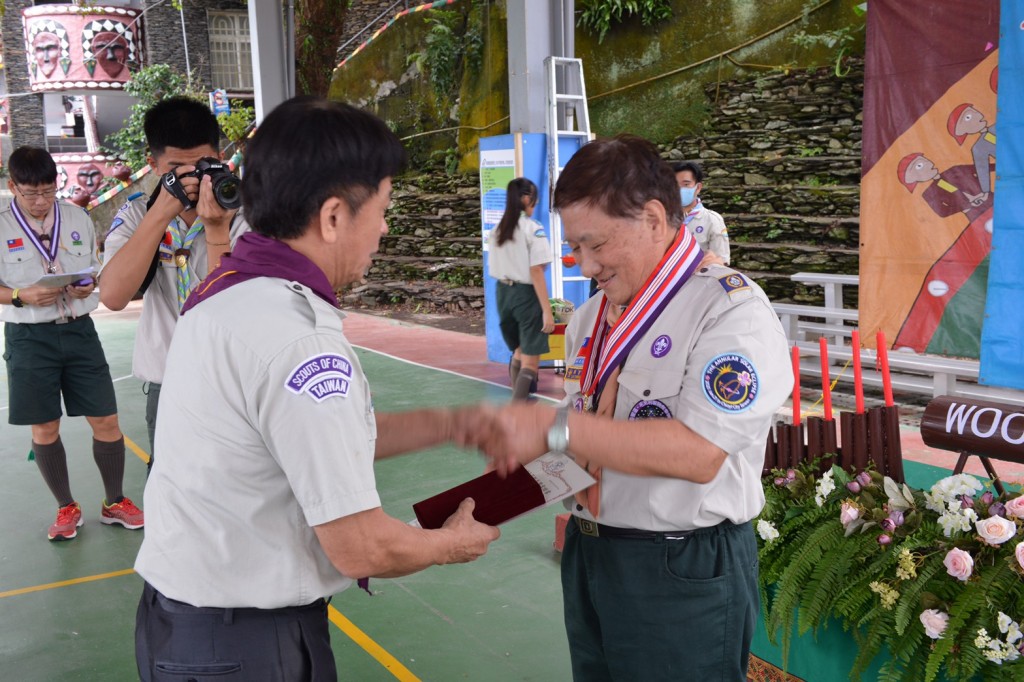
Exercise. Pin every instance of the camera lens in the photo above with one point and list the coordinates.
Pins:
(225, 190)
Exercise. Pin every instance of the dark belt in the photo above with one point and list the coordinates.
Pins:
(510, 282)
(598, 530)
(165, 603)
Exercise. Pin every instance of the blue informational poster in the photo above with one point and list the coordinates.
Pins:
(497, 168)
(1002, 338)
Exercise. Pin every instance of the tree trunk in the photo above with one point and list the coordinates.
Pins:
(318, 28)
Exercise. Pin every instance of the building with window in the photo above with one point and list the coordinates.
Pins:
(65, 66)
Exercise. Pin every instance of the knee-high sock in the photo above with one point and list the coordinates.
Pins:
(53, 465)
(109, 458)
(524, 382)
(513, 370)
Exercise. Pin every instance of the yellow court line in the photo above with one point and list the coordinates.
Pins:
(389, 662)
(139, 452)
(65, 583)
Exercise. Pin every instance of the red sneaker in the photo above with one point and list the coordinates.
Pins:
(69, 518)
(124, 512)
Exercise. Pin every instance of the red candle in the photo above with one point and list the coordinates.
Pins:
(796, 386)
(826, 379)
(858, 376)
(883, 367)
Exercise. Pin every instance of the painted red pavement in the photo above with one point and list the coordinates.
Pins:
(467, 354)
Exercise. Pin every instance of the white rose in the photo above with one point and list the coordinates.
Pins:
(995, 530)
(848, 513)
(1019, 553)
(934, 622)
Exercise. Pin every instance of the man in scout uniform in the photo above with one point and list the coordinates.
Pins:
(707, 226)
(264, 501)
(162, 246)
(51, 346)
(681, 368)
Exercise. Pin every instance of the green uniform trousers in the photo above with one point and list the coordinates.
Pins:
(659, 609)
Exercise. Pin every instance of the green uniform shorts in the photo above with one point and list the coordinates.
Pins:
(521, 319)
(47, 360)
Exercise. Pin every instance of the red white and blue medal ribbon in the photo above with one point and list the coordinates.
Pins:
(675, 268)
(49, 254)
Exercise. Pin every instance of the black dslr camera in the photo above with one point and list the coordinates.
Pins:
(225, 183)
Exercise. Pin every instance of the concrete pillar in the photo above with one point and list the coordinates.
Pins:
(537, 29)
(266, 30)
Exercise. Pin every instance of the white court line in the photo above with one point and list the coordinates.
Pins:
(446, 371)
(114, 380)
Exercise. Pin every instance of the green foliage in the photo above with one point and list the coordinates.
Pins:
(448, 158)
(446, 46)
(149, 85)
(599, 15)
(810, 151)
(236, 124)
(880, 567)
(837, 40)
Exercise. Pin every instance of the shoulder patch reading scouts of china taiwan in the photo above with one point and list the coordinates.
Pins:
(730, 382)
(321, 377)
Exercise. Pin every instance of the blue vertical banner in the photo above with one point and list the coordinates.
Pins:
(1002, 339)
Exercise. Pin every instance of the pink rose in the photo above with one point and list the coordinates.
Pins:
(848, 513)
(934, 622)
(995, 530)
(1020, 554)
(1015, 507)
(959, 564)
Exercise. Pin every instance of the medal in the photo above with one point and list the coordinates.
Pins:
(181, 257)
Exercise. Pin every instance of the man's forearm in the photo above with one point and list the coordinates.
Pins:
(402, 432)
(124, 274)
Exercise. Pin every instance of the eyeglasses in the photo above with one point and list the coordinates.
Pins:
(48, 194)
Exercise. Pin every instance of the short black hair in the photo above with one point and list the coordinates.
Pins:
(32, 166)
(618, 175)
(308, 150)
(180, 122)
(692, 166)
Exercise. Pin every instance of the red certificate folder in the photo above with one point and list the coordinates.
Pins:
(497, 499)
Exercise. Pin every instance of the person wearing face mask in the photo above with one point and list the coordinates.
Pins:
(705, 225)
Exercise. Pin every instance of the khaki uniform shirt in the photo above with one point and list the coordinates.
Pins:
(21, 264)
(160, 301)
(708, 227)
(717, 360)
(266, 429)
(513, 259)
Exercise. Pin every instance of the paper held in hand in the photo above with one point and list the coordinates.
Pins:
(547, 479)
(64, 278)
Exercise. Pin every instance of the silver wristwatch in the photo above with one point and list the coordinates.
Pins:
(558, 434)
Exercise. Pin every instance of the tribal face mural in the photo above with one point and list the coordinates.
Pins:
(74, 48)
(82, 175)
(48, 48)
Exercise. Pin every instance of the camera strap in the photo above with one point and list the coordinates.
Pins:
(172, 184)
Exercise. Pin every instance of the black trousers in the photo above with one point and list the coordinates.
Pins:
(177, 642)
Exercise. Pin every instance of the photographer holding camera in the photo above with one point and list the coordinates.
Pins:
(166, 244)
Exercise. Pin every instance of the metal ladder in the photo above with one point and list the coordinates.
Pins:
(567, 117)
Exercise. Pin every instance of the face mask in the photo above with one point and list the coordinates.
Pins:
(687, 194)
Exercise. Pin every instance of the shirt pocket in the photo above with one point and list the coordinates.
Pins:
(77, 258)
(21, 268)
(649, 393)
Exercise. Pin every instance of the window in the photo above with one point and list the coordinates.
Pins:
(230, 51)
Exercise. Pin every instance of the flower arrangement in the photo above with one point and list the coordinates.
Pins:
(937, 576)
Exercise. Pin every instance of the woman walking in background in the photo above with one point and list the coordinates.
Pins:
(519, 251)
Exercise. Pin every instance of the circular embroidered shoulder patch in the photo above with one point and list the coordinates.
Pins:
(730, 382)
(650, 409)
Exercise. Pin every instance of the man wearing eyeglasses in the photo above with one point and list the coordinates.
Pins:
(51, 346)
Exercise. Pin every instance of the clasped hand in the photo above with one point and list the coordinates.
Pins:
(509, 436)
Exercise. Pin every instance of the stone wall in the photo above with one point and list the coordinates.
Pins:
(26, 112)
(165, 43)
(782, 160)
(783, 167)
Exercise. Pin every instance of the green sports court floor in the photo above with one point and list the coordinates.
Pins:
(67, 610)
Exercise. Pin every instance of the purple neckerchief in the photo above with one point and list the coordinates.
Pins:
(255, 255)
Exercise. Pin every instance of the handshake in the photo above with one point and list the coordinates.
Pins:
(509, 435)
